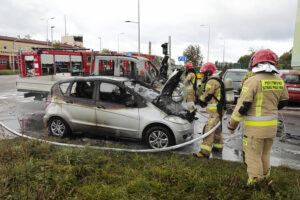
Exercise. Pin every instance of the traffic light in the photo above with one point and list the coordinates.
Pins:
(165, 48)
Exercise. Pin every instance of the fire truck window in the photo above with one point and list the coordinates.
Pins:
(106, 67)
(62, 67)
(82, 89)
(88, 58)
(29, 68)
(47, 69)
(76, 68)
(127, 68)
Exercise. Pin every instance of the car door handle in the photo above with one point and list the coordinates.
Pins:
(69, 101)
(100, 107)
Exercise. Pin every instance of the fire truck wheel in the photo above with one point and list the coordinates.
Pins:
(58, 127)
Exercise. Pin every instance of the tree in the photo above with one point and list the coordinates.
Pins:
(7, 65)
(245, 59)
(56, 45)
(106, 51)
(193, 54)
(284, 61)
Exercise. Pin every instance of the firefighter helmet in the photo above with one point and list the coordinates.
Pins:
(264, 55)
(208, 69)
(189, 65)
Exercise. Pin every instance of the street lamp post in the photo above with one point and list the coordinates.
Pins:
(224, 53)
(47, 26)
(13, 54)
(119, 39)
(208, 40)
(139, 28)
(100, 44)
(52, 27)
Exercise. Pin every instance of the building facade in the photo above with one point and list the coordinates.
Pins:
(296, 47)
(10, 46)
(72, 40)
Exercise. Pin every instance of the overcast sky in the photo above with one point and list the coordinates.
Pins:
(240, 24)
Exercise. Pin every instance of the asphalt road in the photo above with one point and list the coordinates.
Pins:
(17, 111)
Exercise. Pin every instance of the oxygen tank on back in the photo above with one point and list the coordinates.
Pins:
(229, 94)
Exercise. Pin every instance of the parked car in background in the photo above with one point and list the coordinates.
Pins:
(119, 107)
(236, 76)
(292, 82)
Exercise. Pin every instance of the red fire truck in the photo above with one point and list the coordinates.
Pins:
(44, 62)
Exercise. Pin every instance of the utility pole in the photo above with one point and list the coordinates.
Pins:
(224, 53)
(52, 27)
(139, 27)
(65, 25)
(149, 48)
(170, 51)
(100, 44)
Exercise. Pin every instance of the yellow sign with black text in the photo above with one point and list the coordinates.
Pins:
(272, 85)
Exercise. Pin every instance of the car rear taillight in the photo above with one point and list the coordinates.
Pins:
(48, 100)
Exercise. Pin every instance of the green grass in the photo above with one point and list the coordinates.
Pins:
(33, 170)
(8, 72)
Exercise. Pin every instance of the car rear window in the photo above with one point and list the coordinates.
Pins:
(235, 76)
(291, 78)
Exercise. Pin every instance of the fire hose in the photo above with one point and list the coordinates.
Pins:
(115, 149)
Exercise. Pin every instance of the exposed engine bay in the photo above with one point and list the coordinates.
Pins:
(170, 99)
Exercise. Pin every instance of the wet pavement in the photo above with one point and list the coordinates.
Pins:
(17, 111)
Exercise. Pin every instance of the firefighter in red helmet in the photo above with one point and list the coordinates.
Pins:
(262, 96)
(213, 98)
(190, 83)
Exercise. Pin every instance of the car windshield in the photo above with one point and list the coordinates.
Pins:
(291, 78)
(235, 76)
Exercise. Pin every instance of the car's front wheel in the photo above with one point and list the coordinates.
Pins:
(158, 137)
(58, 127)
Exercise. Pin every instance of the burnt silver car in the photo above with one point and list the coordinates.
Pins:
(119, 107)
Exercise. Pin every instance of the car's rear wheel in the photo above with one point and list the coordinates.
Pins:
(58, 127)
(158, 137)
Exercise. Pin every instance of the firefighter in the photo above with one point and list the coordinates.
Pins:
(211, 99)
(190, 83)
(262, 96)
(247, 75)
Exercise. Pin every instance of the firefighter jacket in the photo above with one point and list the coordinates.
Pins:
(189, 83)
(247, 75)
(212, 90)
(258, 105)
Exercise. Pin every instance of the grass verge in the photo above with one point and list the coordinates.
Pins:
(34, 170)
(8, 72)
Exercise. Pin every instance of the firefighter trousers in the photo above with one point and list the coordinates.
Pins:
(257, 156)
(214, 140)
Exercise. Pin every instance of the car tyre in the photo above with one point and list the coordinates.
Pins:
(158, 137)
(58, 127)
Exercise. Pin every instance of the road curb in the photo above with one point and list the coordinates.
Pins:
(290, 108)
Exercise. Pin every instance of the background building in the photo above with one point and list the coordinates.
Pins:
(296, 47)
(72, 40)
(9, 47)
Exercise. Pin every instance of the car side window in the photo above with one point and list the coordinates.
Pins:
(82, 89)
(63, 87)
(112, 93)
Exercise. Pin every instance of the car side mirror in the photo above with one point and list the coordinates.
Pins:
(130, 103)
